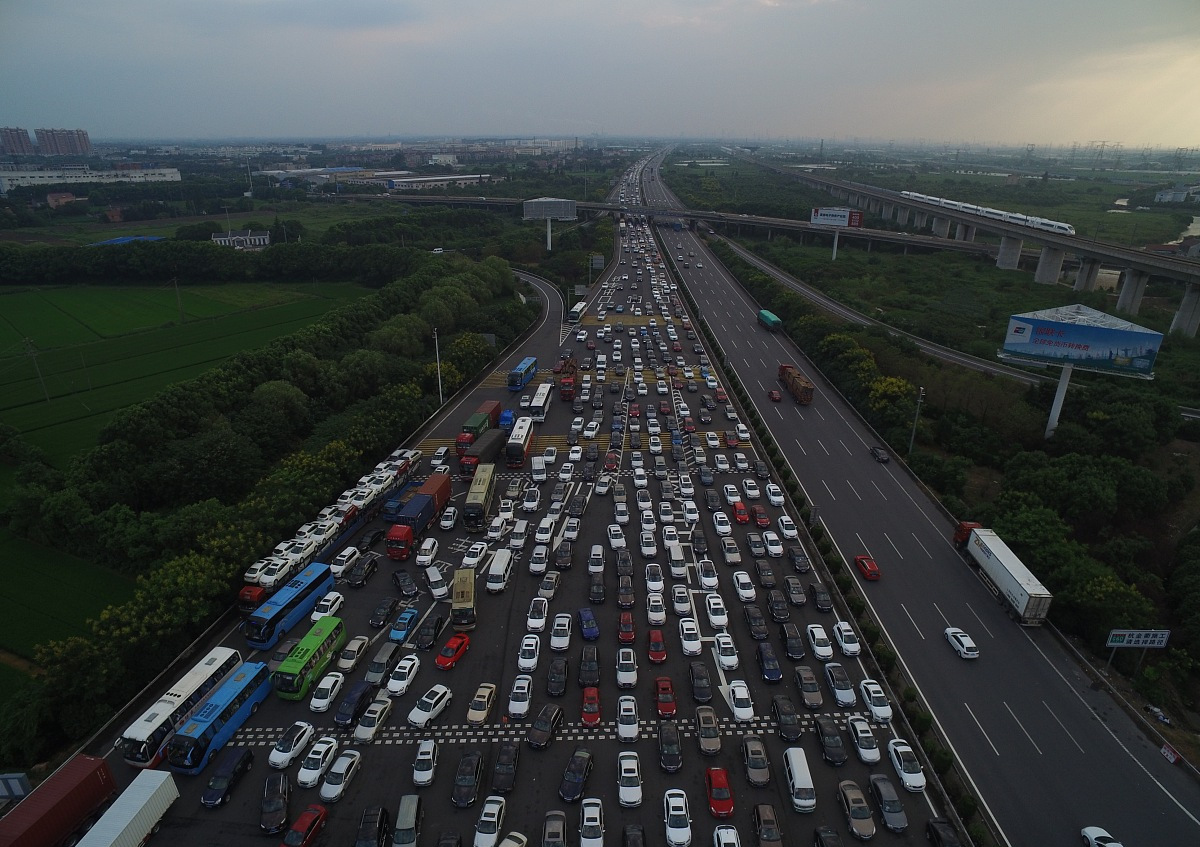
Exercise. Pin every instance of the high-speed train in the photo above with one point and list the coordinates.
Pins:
(995, 214)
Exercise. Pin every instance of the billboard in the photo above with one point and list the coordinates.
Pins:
(549, 207)
(836, 217)
(1138, 638)
(1083, 337)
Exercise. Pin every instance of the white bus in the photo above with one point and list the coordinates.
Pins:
(541, 402)
(577, 312)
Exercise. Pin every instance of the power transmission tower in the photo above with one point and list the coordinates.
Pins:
(31, 352)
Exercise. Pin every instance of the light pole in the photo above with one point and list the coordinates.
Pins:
(437, 351)
(916, 417)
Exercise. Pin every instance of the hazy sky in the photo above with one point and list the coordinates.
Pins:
(955, 71)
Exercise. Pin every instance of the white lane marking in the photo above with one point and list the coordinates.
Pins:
(913, 622)
(1023, 729)
(1063, 726)
(982, 731)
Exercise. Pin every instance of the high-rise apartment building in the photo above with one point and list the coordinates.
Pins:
(63, 142)
(14, 141)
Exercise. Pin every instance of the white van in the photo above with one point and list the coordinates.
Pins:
(596, 560)
(499, 571)
(799, 780)
(344, 561)
(519, 535)
(677, 562)
(437, 583)
(601, 361)
(539, 468)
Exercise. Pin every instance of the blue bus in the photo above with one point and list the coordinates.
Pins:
(288, 606)
(221, 716)
(519, 376)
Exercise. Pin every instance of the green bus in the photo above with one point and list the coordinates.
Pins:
(308, 660)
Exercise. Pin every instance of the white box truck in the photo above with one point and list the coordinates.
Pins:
(1027, 599)
(136, 813)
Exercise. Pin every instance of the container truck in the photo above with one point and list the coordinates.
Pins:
(798, 385)
(486, 417)
(770, 320)
(136, 814)
(482, 452)
(416, 516)
(1026, 598)
(63, 806)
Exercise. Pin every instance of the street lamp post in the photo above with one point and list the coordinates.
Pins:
(437, 352)
(916, 417)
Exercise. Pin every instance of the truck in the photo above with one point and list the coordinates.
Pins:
(68, 802)
(566, 379)
(462, 600)
(1027, 600)
(483, 451)
(251, 597)
(508, 419)
(770, 320)
(798, 385)
(485, 417)
(136, 814)
(418, 513)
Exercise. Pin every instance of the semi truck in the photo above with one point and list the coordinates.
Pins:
(798, 385)
(63, 806)
(770, 320)
(566, 380)
(508, 419)
(136, 814)
(485, 417)
(483, 451)
(418, 513)
(1026, 599)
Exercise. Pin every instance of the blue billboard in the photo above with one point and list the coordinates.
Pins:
(1085, 338)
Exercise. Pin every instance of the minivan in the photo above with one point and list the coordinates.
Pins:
(344, 561)
(676, 560)
(519, 535)
(539, 469)
(231, 765)
(660, 467)
(374, 828)
(407, 830)
(355, 702)
(596, 560)
(381, 667)
(437, 583)
(798, 780)
(499, 571)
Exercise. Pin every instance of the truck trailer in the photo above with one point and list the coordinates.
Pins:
(769, 320)
(417, 515)
(482, 452)
(136, 814)
(798, 385)
(1026, 598)
(65, 804)
(486, 417)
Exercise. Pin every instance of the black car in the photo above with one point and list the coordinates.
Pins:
(755, 621)
(826, 836)
(560, 491)
(940, 833)
(625, 595)
(371, 539)
(778, 605)
(596, 587)
(276, 792)
(589, 667)
(793, 641)
(793, 589)
(798, 559)
(754, 543)
(572, 435)
(635, 441)
(541, 731)
(504, 774)
(383, 612)
(677, 453)
(766, 576)
(592, 453)
(467, 779)
(633, 836)
(578, 504)
(785, 717)
(701, 682)
(614, 388)
(768, 663)
(363, 570)
(624, 563)
(589, 475)
(598, 401)
(761, 470)
(833, 749)
(712, 499)
(404, 584)
(231, 766)
(428, 632)
(670, 753)
(577, 404)
(556, 676)
(575, 775)
(699, 544)
(705, 416)
(880, 455)
(562, 555)
(821, 597)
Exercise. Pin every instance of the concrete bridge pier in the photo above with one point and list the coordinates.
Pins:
(1009, 255)
(1085, 279)
(1187, 319)
(888, 209)
(920, 219)
(964, 232)
(941, 227)
(1049, 265)
(902, 215)
(1133, 286)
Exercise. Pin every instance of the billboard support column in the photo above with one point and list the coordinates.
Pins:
(1059, 396)
(835, 240)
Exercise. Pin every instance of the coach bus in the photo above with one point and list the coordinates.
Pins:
(541, 402)
(219, 719)
(309, 659)
(520, 376)
(577, 312)
(143, 743)
(518, 443)
(288, 606)
(479, 498)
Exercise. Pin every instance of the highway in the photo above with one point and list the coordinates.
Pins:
(1047, 753)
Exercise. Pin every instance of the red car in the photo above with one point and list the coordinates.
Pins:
(558, 366)
(612, 461)
(626, 631)
(721, 396)
(664, 696)
(689, 425)
(306, 828)
(664, 408)
(591, 345)
(658, 647)
(635, 410)
(731, 439)
(672, 370)
(720, 796)
(867, 567)
(740, 513)
(775, 395)
(590, 713)
(453, 651)
(759, 513)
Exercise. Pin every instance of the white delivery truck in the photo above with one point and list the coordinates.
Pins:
(136, 814)
(1027, 599)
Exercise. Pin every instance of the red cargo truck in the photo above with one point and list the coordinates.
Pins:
(485, 417)
(67, 803)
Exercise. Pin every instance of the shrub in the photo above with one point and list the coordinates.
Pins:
(966, 806)
(857, 604)
(885, 656)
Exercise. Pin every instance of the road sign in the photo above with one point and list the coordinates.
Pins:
(1138, 638)
(836, 217)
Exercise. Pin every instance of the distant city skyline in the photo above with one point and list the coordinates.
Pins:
(851, 71)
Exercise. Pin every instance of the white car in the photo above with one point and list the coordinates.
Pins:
(575, 454)
(604, 484)
(720, 463)
(876, 701)
(525, 401)
(689, 635)
(739, 700)
(644, 500)
(727, 656)
(427, 552)
(743, 433)
(320, 757)
(726, 836)
(656, 609)
(373, 718)
(591, 822)
(339, 775)
(648, 545)
(327, 605)
(535, 621)
(637, 460)
(353, 653)
(566, 472)
(560, 633)
(691, 514)
(527, 656)
(686, 489)
(676, 818)
(750, 489)
(507, 510)
(773, 544)
(627, 721)
(621, 513)
(821, 646)
(629, 775)
(666, 514)
(774, 494)
(843, 633)
(627, 672)
(669, 536)
(708, 574)
(907, 765)
(1095, 836)
(521, 696)
(432, 703)
(326, 692)
(712, 440)
(647, 521)
(655, 445)
(787, 528)
(654, 579)
(449, 518)
(577, 425)
(866, 745)
(291, 744)
(532, 501)
(403, 675)
(744, 586)
(497, 528)
(425, 763)
(962, 643)
(475, 555)
(550, 455)
(718, 615)
(732, 495)
(571, 530)
(539, 560)
(722, 525)
(640, 480)
(544, 532)
(491, 818)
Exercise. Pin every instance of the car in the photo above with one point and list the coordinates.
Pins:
(476, 553)
(362, 571)
(844, 635)
(774, 494)
(681, 600)
(666, 513)
(591, 823)
(589, 667)
(402, 627)
(532, 500)
(880, 455)
(907, 765)
(372, 719)
(766, 576)
(708, 574)
(656, 648)
(432, 703)
(891, 809)
(647, 545)
(858, 813)
(326, 692)
(708, 731)
(520, 697)
(273, 811)
(353, 653)
(664, 697)
(340, 773)
(755, 760)
(403, 674)
(819, 642)
(481, 704)
(739, 700)
(305, 830)
(628, 725)
(731, 494)
(571, 529)
(722, 525)
(793, 641)
(590, 713)
(568, 468)
(1093, 836)
(677, 818)
(626, 668)
(290, 745)
(691, 514)
(626, 600)
(383, 612)
(750, 489)
(754, 544)
(455, 648)
(525, 401)
(786, 718)
(535, 620)
(941, 833)
(629, 778)
(768, 663)
(727, 656)
(755, 621)
(530, 650)
(548, 587)
(575, 775)
(689, 636)
(554, 829)
(541, 731)
(864, 741)
(656, 609)
(810, 689)
(330, 604)
(550, 455)
(507, 509)
(560, 632)
(404, 584)
(798, 559)
(282, 652)
(640, 480)
(467, 777)
(714, 607)
(563, 555)
(821, 597)
(743, 587)
(370, 539)
(504, 771)
(759, 516)
(962, 643)
(793, 591)
(773, 545)
(875, 701)
(787, 527)
(317, 761)
(833, 749)
(427, 552)
(588, 628)
(429, 631)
